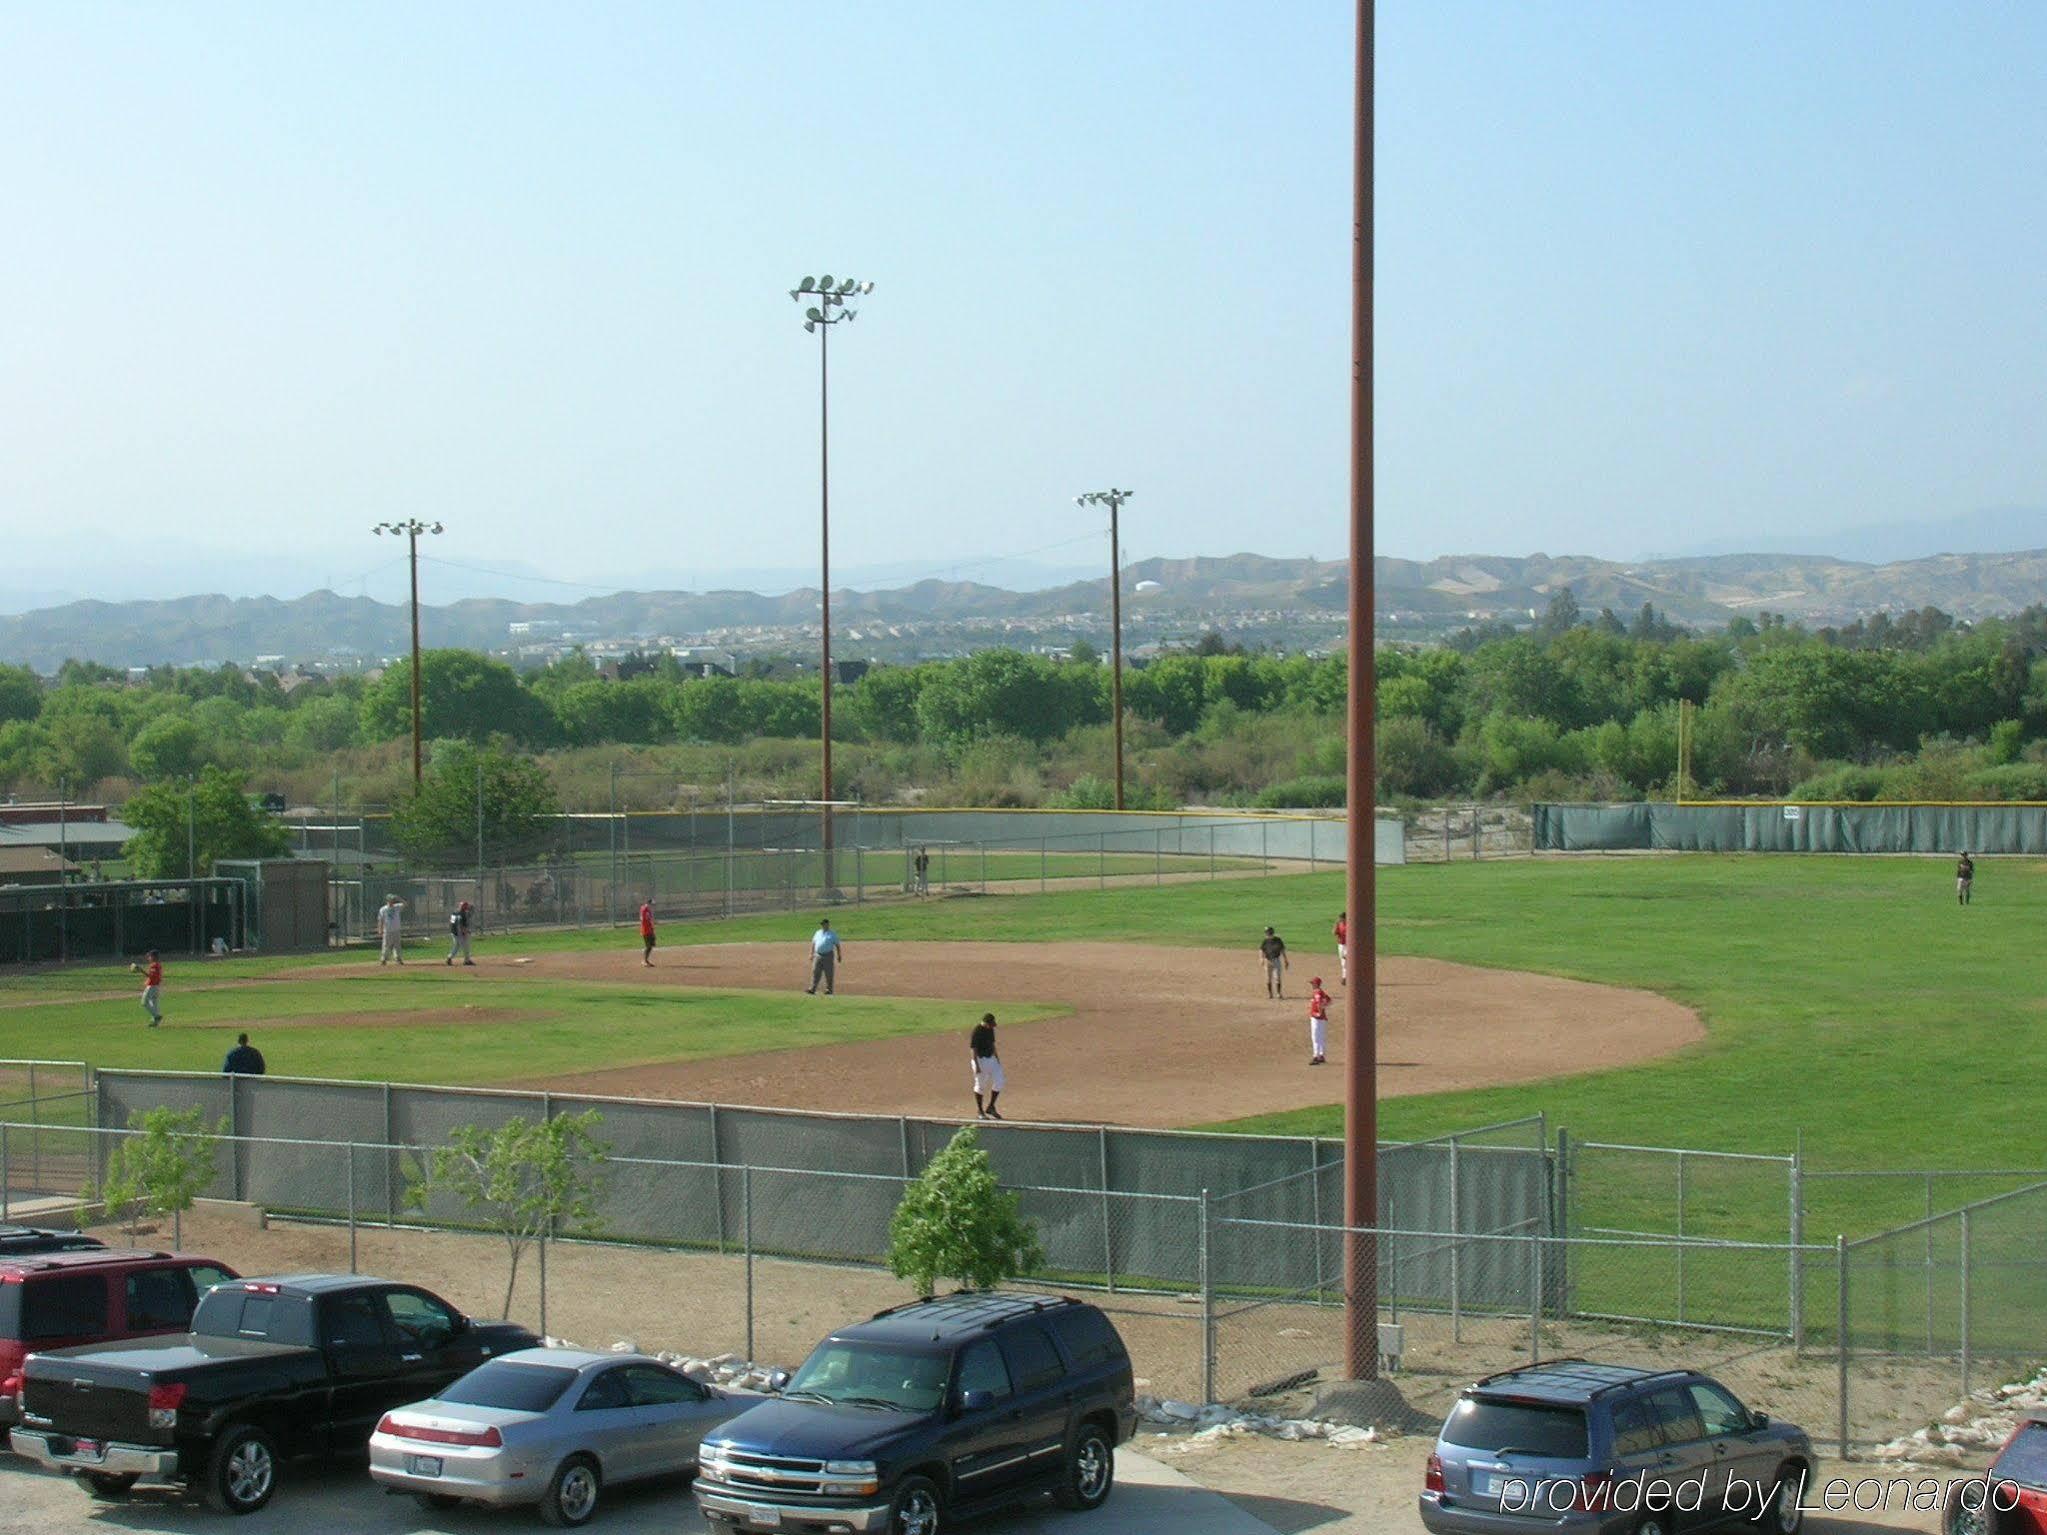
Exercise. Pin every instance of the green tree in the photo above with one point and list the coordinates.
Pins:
(21, 694)
(441, 822)
(214, 815)
(522, 1180)
(159, 1170)
(463, 695)
(169, 746)
(954, 1222)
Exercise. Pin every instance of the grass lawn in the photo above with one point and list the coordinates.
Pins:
(484, 1031)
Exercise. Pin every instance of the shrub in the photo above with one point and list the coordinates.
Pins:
(954, 1222)
(1322, 792)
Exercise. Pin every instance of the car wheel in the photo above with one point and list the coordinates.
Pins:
(1652, 1525)
(571, 1498)
(436, 1502)
(916, 1509)
(1969, 1510)
(241, 1474)
(106, 1485)
(1787, 1514)
(1090, 1470)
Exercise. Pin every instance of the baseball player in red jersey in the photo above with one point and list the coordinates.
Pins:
(647, 932)
(1318, 1023)
(152, 988)
(1342, 932)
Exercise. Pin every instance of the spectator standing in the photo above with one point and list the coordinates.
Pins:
(922, 863)
(647, 931)
(987, 1067)
(245, 1060)
(1965, 877)
(152, 988)
(458, 933)
(825, 952)
(391, 931)
(1272, 950)
(1318, 1023)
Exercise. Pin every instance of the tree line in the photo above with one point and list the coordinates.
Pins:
(1574, 706)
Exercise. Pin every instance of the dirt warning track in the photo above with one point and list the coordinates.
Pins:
(1156, 1036)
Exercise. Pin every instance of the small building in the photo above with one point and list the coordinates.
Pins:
(33, 866)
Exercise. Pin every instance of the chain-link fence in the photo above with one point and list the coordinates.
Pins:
(1460, 832)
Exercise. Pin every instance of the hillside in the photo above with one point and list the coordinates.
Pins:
(1413, 597)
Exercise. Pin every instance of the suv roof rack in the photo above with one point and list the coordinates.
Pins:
(1599, 1383)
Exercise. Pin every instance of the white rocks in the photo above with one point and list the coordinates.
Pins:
(1178, 1412)
(1349, 1436)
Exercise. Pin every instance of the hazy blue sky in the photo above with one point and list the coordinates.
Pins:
(1651, 276)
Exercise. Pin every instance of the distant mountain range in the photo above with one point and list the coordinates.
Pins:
(1414, 597)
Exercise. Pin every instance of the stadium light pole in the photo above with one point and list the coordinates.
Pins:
(1361, 1084)
(1113, 500)
(826, 307)
(412, 527)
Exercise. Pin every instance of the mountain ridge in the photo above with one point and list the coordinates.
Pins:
(1416, 597)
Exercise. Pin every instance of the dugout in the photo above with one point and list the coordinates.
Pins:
(118, 919)
(285, 899)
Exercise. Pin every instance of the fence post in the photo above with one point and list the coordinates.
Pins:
(351, 1207)
(903, 1136)
(1474, 834)
(1108, 1227)
(1798, 1247)
(1102, 864)
(1264, 848)
(1158, 856)
(390, 1167)
(1044, 843)
(1211, 850)
(1207, 1311)
(1966, 1361)
(1680, 1236)
(1456, 1227)
(1535, 1299)
(1315, 1209)
(984, 868)
(234, 1142)
(1311, 844)
(543, 1279)
(746, 1229)
(1929, 1266)
(1841, 1343)
(6, 1174)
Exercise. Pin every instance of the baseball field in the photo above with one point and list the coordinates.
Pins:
(1716, 1002)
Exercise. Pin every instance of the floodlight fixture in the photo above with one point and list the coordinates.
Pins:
(412, 528)
(824, 283)
(1113, 499)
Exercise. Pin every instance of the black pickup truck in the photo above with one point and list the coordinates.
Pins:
(926, 1414)
(272, 1368)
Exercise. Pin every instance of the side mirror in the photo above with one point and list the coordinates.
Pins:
(1759, 1420)
(976, 1401)
(778, 1380)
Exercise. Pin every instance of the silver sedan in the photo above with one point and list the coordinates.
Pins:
(550, 1427)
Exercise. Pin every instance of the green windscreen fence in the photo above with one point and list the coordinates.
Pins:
(1781, 828)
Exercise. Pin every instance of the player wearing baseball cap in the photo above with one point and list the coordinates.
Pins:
(1318, 1023)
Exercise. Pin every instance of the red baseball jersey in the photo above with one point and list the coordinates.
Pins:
(1318, 1003)
(647, 920)
(1342, 931)
(153, 976)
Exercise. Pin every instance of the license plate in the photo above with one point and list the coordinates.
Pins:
(422, 1465)
(1484, 1484)
(91, 1449)
(769, 1518)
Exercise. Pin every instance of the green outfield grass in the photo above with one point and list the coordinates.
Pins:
(1845, 997)
(464, 1029)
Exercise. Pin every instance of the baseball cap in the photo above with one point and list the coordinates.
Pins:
(1315, 980)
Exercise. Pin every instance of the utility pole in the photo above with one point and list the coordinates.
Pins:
(412, 527)
(1113, 500)
(828, 308)
(1361, 1085)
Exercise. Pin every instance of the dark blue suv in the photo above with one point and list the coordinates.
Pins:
(928, 1413)
(1600, 1449)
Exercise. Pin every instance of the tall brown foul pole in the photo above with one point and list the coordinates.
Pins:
(418, 752)
(824, 534)
(1361, 1084)
(1116, 636)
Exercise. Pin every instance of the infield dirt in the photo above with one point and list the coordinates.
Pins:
(1153, 1035)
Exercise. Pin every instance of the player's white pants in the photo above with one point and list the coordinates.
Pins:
(458, 946)
(1343, 960)
(393, 948)
(987, 1074)
(1318, 1036)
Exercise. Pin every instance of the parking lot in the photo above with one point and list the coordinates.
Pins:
(337, 1499)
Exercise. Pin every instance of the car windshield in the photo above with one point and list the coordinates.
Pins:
(1550, 1430)
(869, 1375)
(2025, 1459)
(511, 1387)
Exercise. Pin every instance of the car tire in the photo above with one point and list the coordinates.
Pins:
(241, 1473)
(1958, 1517)
(918, 1508)
(1787, 1516)
(106, 1486)
(571, 1498)
(1652, 1524)
(1090, 1470)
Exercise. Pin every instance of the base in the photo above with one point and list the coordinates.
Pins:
(1371, 1404)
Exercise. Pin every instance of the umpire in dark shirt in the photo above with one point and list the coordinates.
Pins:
(245, 1060)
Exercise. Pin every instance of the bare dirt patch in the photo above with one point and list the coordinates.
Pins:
(1155, 1036)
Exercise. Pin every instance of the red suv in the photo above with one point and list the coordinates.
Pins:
(97, 1295)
